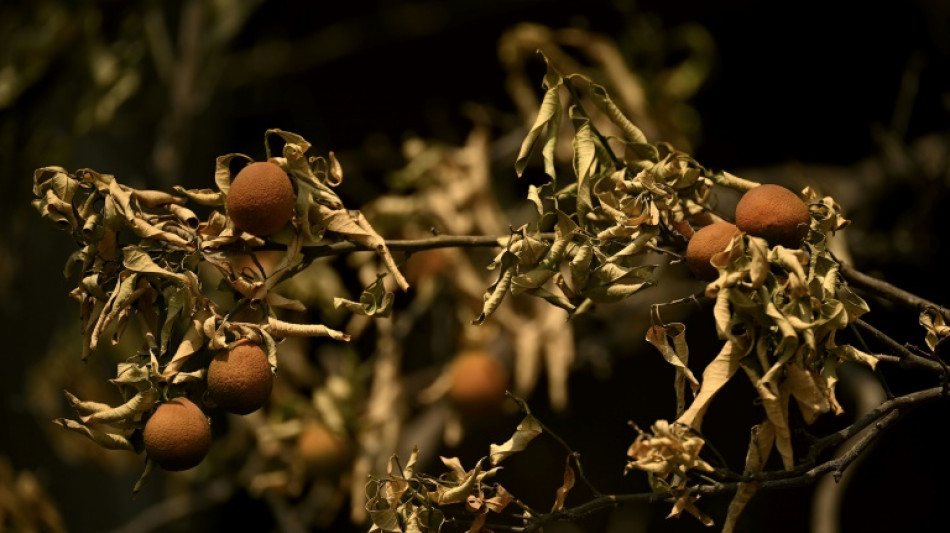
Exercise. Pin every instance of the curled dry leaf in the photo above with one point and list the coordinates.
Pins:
(566, 486)
(527, 430)
(669, 452)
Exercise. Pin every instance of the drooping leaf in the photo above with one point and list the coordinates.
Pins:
(775, 402)
(546, 125)
(141, 402)
(85, 407)
(149, 465)
(111, 441)
(630, 131)
(585, 163)
(676, 354)
(497, 291)
(760, 447)
(354, 227)
(193, 341)
(716, 374)
(222, 170)
(527, 430)
(566, 485)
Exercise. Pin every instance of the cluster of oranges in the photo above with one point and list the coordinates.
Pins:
(771, 212)
(177, 436)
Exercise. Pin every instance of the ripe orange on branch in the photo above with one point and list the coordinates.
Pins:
(261, 199)
(240, 379)
(177, 435)
(774, 213)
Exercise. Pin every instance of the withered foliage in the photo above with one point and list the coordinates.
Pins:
(409, 501)
(141, 253)
(24, 505)
(777, 309)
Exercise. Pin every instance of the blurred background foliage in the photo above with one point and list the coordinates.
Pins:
(425, 103)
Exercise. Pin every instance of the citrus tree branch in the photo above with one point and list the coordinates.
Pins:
(904, 357)
(877, 421)
(890, 292)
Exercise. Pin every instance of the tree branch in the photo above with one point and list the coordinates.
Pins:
(178, 507)
(890, 292)
(905, 357)
(878, 420)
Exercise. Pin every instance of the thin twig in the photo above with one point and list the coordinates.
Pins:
(905, 357)
(465, 523)
(178, 507)
(413, 245)
(576, 456)
(890, 292)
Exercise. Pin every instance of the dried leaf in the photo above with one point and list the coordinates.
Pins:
(527, 430)
(354, 227)
(193, 341)
(141, 402)
(281, 329)
(809, 391)
(280, 302)
(374, 300)
(585, 163)
(222, 171)
(546, 125)
(677, 355)
(85, 408)
(685, 500)
(716, 374)
(149, 466)
(565, 488)
(120, 198)
(208, 197)
(760, 447)
(466, 483)
(497, 291)
(631, 132)
(775, 401)
(109, 441)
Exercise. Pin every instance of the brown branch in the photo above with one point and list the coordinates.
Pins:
(178, 507)
(413, 245)
(904, 357)
(574, 455)
(890, 292)
(878, 420)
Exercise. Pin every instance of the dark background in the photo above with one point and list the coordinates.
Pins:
(853, 98)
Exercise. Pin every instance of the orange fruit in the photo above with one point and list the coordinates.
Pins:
(177, 435)
(478, 384)
(240, 379)
(705, 243)
(774, 213)
(261, 199)
(321, 450)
